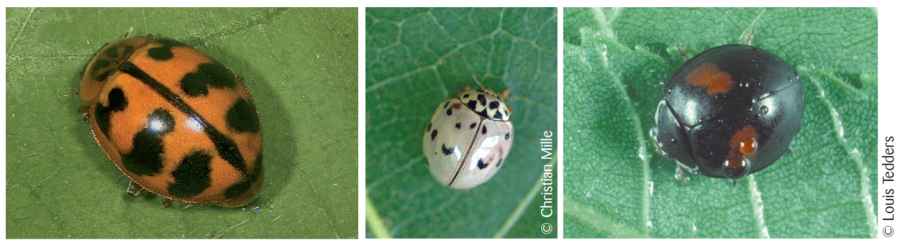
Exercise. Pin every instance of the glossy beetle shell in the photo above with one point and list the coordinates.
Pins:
(177, 123)
(730, 111)
(468, 139)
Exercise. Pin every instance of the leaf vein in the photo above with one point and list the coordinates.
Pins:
(21, 30)
(837, 124)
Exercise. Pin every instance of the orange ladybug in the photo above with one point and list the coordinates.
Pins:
(177, 123)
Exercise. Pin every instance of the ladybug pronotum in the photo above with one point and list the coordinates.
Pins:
(728, 112)
(468, 138)
(177, 123)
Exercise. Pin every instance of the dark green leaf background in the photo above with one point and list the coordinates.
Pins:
(299, 64)
(616, 64)
(416, 58)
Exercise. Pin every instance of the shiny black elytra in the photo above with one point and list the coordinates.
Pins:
(728, 112)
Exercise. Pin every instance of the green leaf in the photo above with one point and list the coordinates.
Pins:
(299, 64)
(616, 64)
(415, 59)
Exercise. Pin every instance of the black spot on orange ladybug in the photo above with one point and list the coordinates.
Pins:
(728, 112)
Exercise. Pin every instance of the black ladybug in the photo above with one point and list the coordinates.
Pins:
(728, 112)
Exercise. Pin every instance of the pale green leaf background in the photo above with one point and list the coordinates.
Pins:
(616, 64)
(416, 58)
(300, 66)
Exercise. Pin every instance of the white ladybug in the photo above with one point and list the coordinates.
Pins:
(468, 138)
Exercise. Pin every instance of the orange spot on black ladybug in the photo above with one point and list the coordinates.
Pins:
(748, 147)
(709, 76)
(744, 141)
(742, 144)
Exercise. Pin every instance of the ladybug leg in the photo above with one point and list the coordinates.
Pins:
(84, 108)
(682, 170)
(136, 190)
(165, 201)
(680, 175)
(654, 133)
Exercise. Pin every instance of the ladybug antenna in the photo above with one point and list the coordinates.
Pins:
(476, 81)
(682, 52)
(749, 36)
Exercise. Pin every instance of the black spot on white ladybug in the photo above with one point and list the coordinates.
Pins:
(500, 162)
(472, 104)
(192, 175)
(429, 127)
(449, 111)
(473, 125)
(481, 164)
(506, 136)
(445, 150)
(484, 130)
(458, 125)
(433, 134)
(493, 105)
